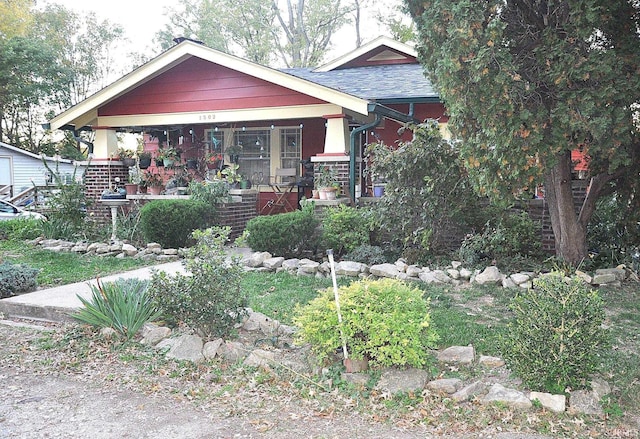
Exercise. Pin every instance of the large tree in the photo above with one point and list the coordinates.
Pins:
(526, 82)
(294, 33)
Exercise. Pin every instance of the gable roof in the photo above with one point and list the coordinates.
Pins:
(85, 112)
(32, 155)
(381, 49)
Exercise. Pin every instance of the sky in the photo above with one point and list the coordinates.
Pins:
(142, 19)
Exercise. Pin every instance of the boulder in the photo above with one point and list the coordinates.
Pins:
(395, 381)
(210, 348)
(187, 347)
(259, 358)
(350, 268)
(457, 354)
(155, 335)
(554, 403)
(469, 391)
(490, 275)
(445, 385)
(385, 270)
(256, 259)
(273, 263)
(434, 277)
(510, 397)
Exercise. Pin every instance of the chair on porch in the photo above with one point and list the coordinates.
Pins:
(281, 184)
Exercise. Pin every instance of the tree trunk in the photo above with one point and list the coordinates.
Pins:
(570, 233)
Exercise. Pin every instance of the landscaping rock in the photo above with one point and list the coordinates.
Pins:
(349, 268)
(155, 335)
(434, 277)
(488, 361)
(232, 351)
(395, 381)
(210, 348)
(129, 250)
(413, 271)
(554, 403)
(465, 274)
(510, 397)
(273, 263)
(490, 275)
(259, 358)
(256, 259)
(445, 385)
(385, 270)
(620, 274)
(586, 402)
(603, 279)
(467, 392)
(187, 347)
(457, 354)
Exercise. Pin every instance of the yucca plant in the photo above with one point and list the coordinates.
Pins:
(123, 305)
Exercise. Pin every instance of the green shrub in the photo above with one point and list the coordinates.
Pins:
(210, 192)
(367, 254)
(21, 229)
(170, 222)
(556, 336)
(344, 228)
(124, 305)
(385, 321)
(16, 279)
(208, 300)
(287, 234)
(509, 235)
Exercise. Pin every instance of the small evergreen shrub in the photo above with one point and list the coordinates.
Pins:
(170, 222)
(367, 254)
(210, 192)
(16, 279)
(385, 321)
(21, 229)
(288, 234)
(124, 305)
(208, 300)
(344, 228)
(557, 334)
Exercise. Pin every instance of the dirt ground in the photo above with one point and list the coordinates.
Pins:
(41, 399)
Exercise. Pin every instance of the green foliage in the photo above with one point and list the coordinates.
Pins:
(427, 193)
(21, 229)
(557, 336)
(68, 206)
(16, 279)
(209, 299)
(367, 254)
(210, 192)
(288, 234)
(503, 238)
(521, 95)
(129, 227)
(386, 321)
(614, 234)
(124, 305)
(170, 222)
(344, 229)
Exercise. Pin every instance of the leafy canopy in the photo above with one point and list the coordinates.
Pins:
(526, 81)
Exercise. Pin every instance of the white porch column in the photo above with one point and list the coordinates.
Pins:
(336, 141)
(105, 144)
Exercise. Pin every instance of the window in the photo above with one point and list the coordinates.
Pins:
(254, 154)
(290, 148)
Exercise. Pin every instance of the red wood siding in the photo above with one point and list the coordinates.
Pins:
(389, 132)
(361, 61)
(199, 85)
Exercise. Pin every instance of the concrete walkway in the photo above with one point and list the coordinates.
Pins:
(55, 304)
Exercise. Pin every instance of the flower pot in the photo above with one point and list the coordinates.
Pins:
(155, 190)
(129, 162)
(192, 164)
(315, 193)
(131, 188)
(144, 163)
(159, 163)
(327, 193)
(168, 163)
(378, 190)
(213, 165)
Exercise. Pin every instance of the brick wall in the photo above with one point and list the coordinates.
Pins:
(96, 181)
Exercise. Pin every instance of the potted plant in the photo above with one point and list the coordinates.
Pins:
(213, 160)
(234, 152)
(144, 159)
(327, 183)
(154, 182)
(127, 156)
(159, 159)
(232, 176)
(169, 156)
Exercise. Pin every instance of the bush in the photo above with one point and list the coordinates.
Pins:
(344, 229)
(124, 305)
(367, 254)
(510, 235)
(385, 321)
(170, 222)
(208, 300)
(555, 339)
(21, 229)
(16, 279)
(287, 234)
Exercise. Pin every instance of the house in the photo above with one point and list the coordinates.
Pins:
(21, 170)
(206, 102)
